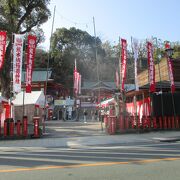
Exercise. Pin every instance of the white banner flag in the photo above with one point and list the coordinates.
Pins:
(79, 83)
(17, 62)
(135, 47)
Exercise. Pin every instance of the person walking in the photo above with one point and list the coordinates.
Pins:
(92, 115)
(85, 116)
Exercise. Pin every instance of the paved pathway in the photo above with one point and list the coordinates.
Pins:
(61, 129)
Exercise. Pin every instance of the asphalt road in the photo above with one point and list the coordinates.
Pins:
(151, 160)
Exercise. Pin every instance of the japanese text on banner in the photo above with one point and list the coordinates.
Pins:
(17, 62)
(31, 48)
(123, 61)
(2, 47)
(151, 67)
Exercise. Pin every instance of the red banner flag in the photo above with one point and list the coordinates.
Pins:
(170, 68)
(79, 83)
(31, 49)
(75, 78)
(167, 45)
(151, 67)
(171, 77)
(2, 47)
(123, 61)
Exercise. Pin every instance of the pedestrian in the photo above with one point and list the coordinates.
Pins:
(85, 116)
(96, 115)
(92, 115)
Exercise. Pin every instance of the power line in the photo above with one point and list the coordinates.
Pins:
(86, 24)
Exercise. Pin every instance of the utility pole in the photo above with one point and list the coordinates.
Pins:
(120, 74)
(47, 72)
(97, 62)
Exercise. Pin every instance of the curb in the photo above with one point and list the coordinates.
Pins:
(169, 139)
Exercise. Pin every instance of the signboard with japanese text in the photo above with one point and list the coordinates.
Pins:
(60, 102)
(17, 62)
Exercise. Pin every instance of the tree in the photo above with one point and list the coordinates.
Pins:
(19, 16)
(41, 58)
(71, 44)
(109, 61)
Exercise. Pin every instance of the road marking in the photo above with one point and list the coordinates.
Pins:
(102, 154)
(87, 165)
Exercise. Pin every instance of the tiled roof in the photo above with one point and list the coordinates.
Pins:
(39, 75)
(106, 85)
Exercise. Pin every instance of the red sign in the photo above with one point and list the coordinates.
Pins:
(151, 67)
(167, 45)
(123, 61)
(75, 81)
(31, 49)
(2, 47)
(171, 77)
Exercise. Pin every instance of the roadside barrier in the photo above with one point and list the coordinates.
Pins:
(177, 122)
(149, 122)
(143, 122)
(160, 123)
(5, 128)
(132, 121)
(0, 126)
(138, 122)
(154, 123)
(165, 122)
(121, 123)
(18, 128)
(111, 125)
(173, 123)
(11, 127)
(169, 122)
(117, 123)
(36, 126)
(127, 122)
(105, 120)
(25, 126)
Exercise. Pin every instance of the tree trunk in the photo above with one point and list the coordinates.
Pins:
(5, 77)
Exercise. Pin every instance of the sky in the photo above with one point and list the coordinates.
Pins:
(141, 19)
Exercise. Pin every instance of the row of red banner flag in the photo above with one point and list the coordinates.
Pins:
(17, 59)
(151, 66)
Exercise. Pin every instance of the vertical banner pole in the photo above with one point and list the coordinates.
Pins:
(134, 46)
(151, 74)
(47, 72)
(170, 72)
(160, 81)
